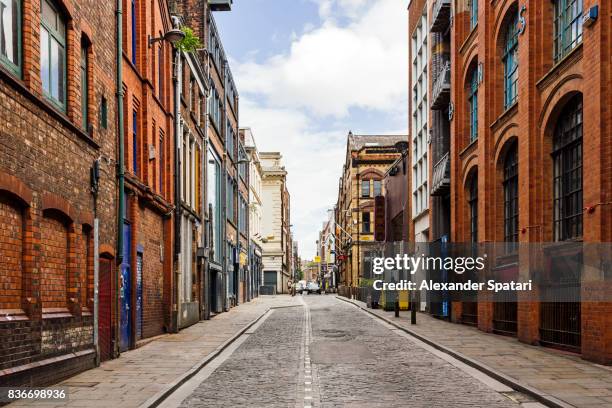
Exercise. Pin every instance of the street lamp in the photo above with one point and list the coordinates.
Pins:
(172, 36)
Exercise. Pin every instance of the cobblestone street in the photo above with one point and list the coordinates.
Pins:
(328, 353)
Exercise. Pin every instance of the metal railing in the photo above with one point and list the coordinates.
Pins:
(440, 15)
(441, 88)
(441, 176)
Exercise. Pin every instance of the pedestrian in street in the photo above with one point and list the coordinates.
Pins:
(290, 287)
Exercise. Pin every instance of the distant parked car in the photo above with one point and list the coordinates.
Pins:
(300, 286)
(313, 287)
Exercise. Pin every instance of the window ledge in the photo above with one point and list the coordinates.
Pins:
(560, 66)
(13, 315)
(505, 116)
(468, 41)
(468, 148)
(55, 312)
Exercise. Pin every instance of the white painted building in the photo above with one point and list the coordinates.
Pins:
(419, 90)
(274, 224)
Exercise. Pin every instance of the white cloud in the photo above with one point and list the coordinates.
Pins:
(300, 102)
(332, 68)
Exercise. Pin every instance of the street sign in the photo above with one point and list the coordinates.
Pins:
(317, 259)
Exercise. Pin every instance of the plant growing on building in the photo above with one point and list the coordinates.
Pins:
(190, 43)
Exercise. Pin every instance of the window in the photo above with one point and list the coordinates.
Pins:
(10, 35)
(510, 61)
(365, 188)
(84, 84)
(567, 164)
(377, 188)
(103, 113)
(473, 105)
(198, 180)
(229, 141)
(510, 185)
(568, 26)
(133, 30)
(135, 142)
(214, 110)
(53, 54)
(242, 167)
(473, 206)
(365, 223)
(214, 203)
(161, 162)
(230, 200)
(473, 13)
(160, 73)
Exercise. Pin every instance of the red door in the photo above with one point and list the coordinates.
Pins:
(104, 309)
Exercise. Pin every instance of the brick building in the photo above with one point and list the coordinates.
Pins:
(57, 87)
(368, 157)
(519, 136)
(146, 297)
(191, 127)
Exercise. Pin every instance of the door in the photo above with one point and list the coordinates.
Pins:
(125, 293)
(104, 309)
(139, 295)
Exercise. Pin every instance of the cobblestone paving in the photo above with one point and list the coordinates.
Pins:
(361, 363)
(263, 372)
(328, 354)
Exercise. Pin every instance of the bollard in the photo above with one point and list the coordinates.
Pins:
(397, 308)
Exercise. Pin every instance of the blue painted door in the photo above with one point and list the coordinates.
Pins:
(139, 294)
(126, 291)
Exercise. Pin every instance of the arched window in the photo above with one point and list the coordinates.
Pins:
(510, 61)
(568, 26)
(473, 206)
(567, 169)
(510, 184)
(53, 54)
(473, 13)
(10, 35)
(473, 104)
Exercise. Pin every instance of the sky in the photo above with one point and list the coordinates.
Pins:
(307, 72)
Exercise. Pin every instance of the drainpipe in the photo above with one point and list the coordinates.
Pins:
(120, 162)
(177, 181)
(226, 305)
(95, 173)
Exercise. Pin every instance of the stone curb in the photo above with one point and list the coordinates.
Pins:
(511, 382)
(159, 397)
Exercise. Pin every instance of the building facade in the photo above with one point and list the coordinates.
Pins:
(255, 209)
(58, 156)
(418, 108)
(146, 272)
(367, 159)
(275, 222)
(522, 135)
(191, 153)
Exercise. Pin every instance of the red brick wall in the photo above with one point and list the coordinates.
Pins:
(54, 259)
(11, 249)
(45, 161)
(152, 273)
(543, 89)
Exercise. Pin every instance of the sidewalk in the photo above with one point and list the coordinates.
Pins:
(562, 376)
(142, 375)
